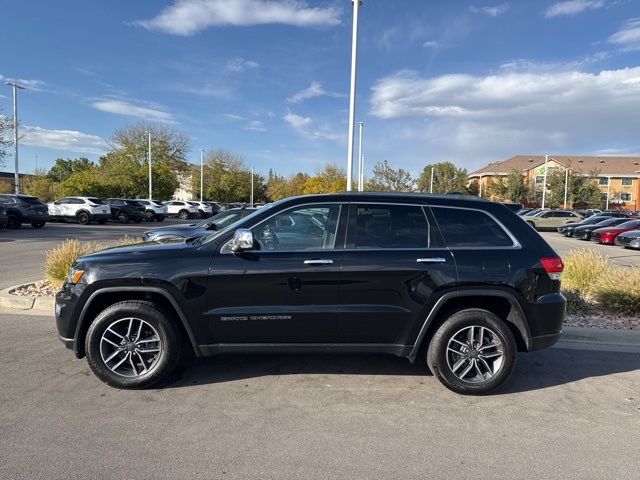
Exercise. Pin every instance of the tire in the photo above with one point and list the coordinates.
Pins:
(150, 216)
(13, 222)
(156, 324)
(123, 217)
(160, 218)
(83, 218)
(200, 214)
(495, 370)
(183, 214)
(101, 221)
(38, 224)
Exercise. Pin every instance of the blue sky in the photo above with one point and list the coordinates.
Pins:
(469, 82)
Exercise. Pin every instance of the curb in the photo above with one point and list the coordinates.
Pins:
(14, 302)
(604, 339)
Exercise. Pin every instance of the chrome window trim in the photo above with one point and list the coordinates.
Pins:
(303, 205)
(515, 246)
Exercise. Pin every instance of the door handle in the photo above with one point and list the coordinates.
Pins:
(431, 260)
(318, 261)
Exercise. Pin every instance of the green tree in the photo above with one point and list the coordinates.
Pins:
(584, 191)
(518, 191)
(63, 168)
(329, 179)
(228, 179)
(279, 187)
(6, 124)
(85, 183)
(447, 178)
(387, 179)
(5, 186)
(41, 186)
(497, 189)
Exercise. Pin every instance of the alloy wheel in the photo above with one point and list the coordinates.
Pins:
(130, 347)
(475, 354)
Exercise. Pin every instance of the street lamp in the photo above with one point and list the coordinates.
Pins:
(251, 187)
(150, 182)
(201, 172)
(15, 87)
(360, 157)
(361, 185)
(352, 94)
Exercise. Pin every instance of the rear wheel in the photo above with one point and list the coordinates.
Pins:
(473, 352)
(132, 344)
(150, 216)
(123, 217)
(83, 218)
(38, 224)
(183, 214)
(159, 218)
(13, 222)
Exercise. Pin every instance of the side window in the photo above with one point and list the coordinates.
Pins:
(76, 201)
(391, 226)
(470, 228)
(303, 228)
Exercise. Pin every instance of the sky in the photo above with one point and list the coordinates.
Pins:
(460, 81)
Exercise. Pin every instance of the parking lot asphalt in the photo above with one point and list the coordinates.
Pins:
(618, 255)
(564, 414)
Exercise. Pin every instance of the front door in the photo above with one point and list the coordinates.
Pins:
(286, 289)
(394, 266)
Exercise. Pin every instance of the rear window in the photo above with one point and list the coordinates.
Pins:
(97, 201)
(391, 226)
(31, 200)
(470, 228)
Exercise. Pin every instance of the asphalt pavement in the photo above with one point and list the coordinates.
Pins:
(570, 414)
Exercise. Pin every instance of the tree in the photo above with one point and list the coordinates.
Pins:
(6, 124)
(40, 186)
(5, 186)
(279, 187)
(63, 168)
(87, 183)
(228, 179)
(329, 179)
(584, 191)
(518, 191)
(387, 179)
(496, 189)
(447, 178)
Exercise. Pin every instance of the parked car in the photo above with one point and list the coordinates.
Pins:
(24, 209)
(630, 239)
(84, 210)
(204, 210)
(584, 232)
(125, 210)
(607, 235)
(551, 219)
(616, 213)
(567, 228)
(180, 209)
(524, 211)
(460, 278)
(207, 226)
(4, 218)
(153, 210)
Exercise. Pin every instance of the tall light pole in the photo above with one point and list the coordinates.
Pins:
(361, 127)
(544, 181)
(431, 182)
(608, 191)
(352, 94)
(15, 87)
(201, 172)
(566, 186)
(149, 160)
(251, 187)
(362, 173)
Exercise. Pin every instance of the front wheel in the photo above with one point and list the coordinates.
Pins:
(83, 218)
(132, 344)
(150, 216)
(183, 215)
(123, 217)
(13, 222)
(473, 352)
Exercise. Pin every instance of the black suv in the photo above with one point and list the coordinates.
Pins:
(124, 210)
(459, 280)
(24, 209)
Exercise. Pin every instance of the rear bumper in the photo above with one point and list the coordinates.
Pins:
(546, 317)
(543, 341)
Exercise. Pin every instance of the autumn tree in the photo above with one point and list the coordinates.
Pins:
(279, 187)
(227, 178)
(388, 179)
(40, 185)
(6, 124)
(329, 179)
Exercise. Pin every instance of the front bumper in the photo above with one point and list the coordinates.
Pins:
(543, 341)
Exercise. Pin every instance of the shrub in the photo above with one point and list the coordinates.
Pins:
(60, 259)
(584, 271)
(620, 293)
(576, 304)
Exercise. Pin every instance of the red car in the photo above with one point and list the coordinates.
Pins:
(607, 235)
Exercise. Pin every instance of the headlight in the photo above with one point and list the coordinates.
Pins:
(74, 276)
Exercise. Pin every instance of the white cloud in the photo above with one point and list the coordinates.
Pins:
(492, 11)
(628, 37)
(306, 127)
(314, 90)
(486, 118)
(187, 17)
(70, 140)
(240, 64)
(35, 85)
(121, 107)
(256, 126)
(232, 116)
(432, 44)
(572, 7)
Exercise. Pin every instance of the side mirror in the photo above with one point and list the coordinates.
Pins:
(242, 240)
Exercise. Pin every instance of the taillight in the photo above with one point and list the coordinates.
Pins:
(553, 266)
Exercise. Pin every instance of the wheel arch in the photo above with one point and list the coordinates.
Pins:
(506, 307)
(102, 298)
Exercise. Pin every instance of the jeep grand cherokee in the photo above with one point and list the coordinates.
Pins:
(460, 281)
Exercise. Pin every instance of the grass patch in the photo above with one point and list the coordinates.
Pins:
(584, 270)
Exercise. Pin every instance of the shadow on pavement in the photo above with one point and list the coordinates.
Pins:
(534, 371)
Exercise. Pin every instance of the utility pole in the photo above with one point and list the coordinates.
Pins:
(201, 172)
(608, 191)
(362, 173)
(150, 182)
(360, 169)
(480, 188)
(431, 182)
(251, 187)
(544, 181)
(566, 186)
(352, 94)
(15, 87)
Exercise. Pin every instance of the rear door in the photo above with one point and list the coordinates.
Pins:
(394, 267)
